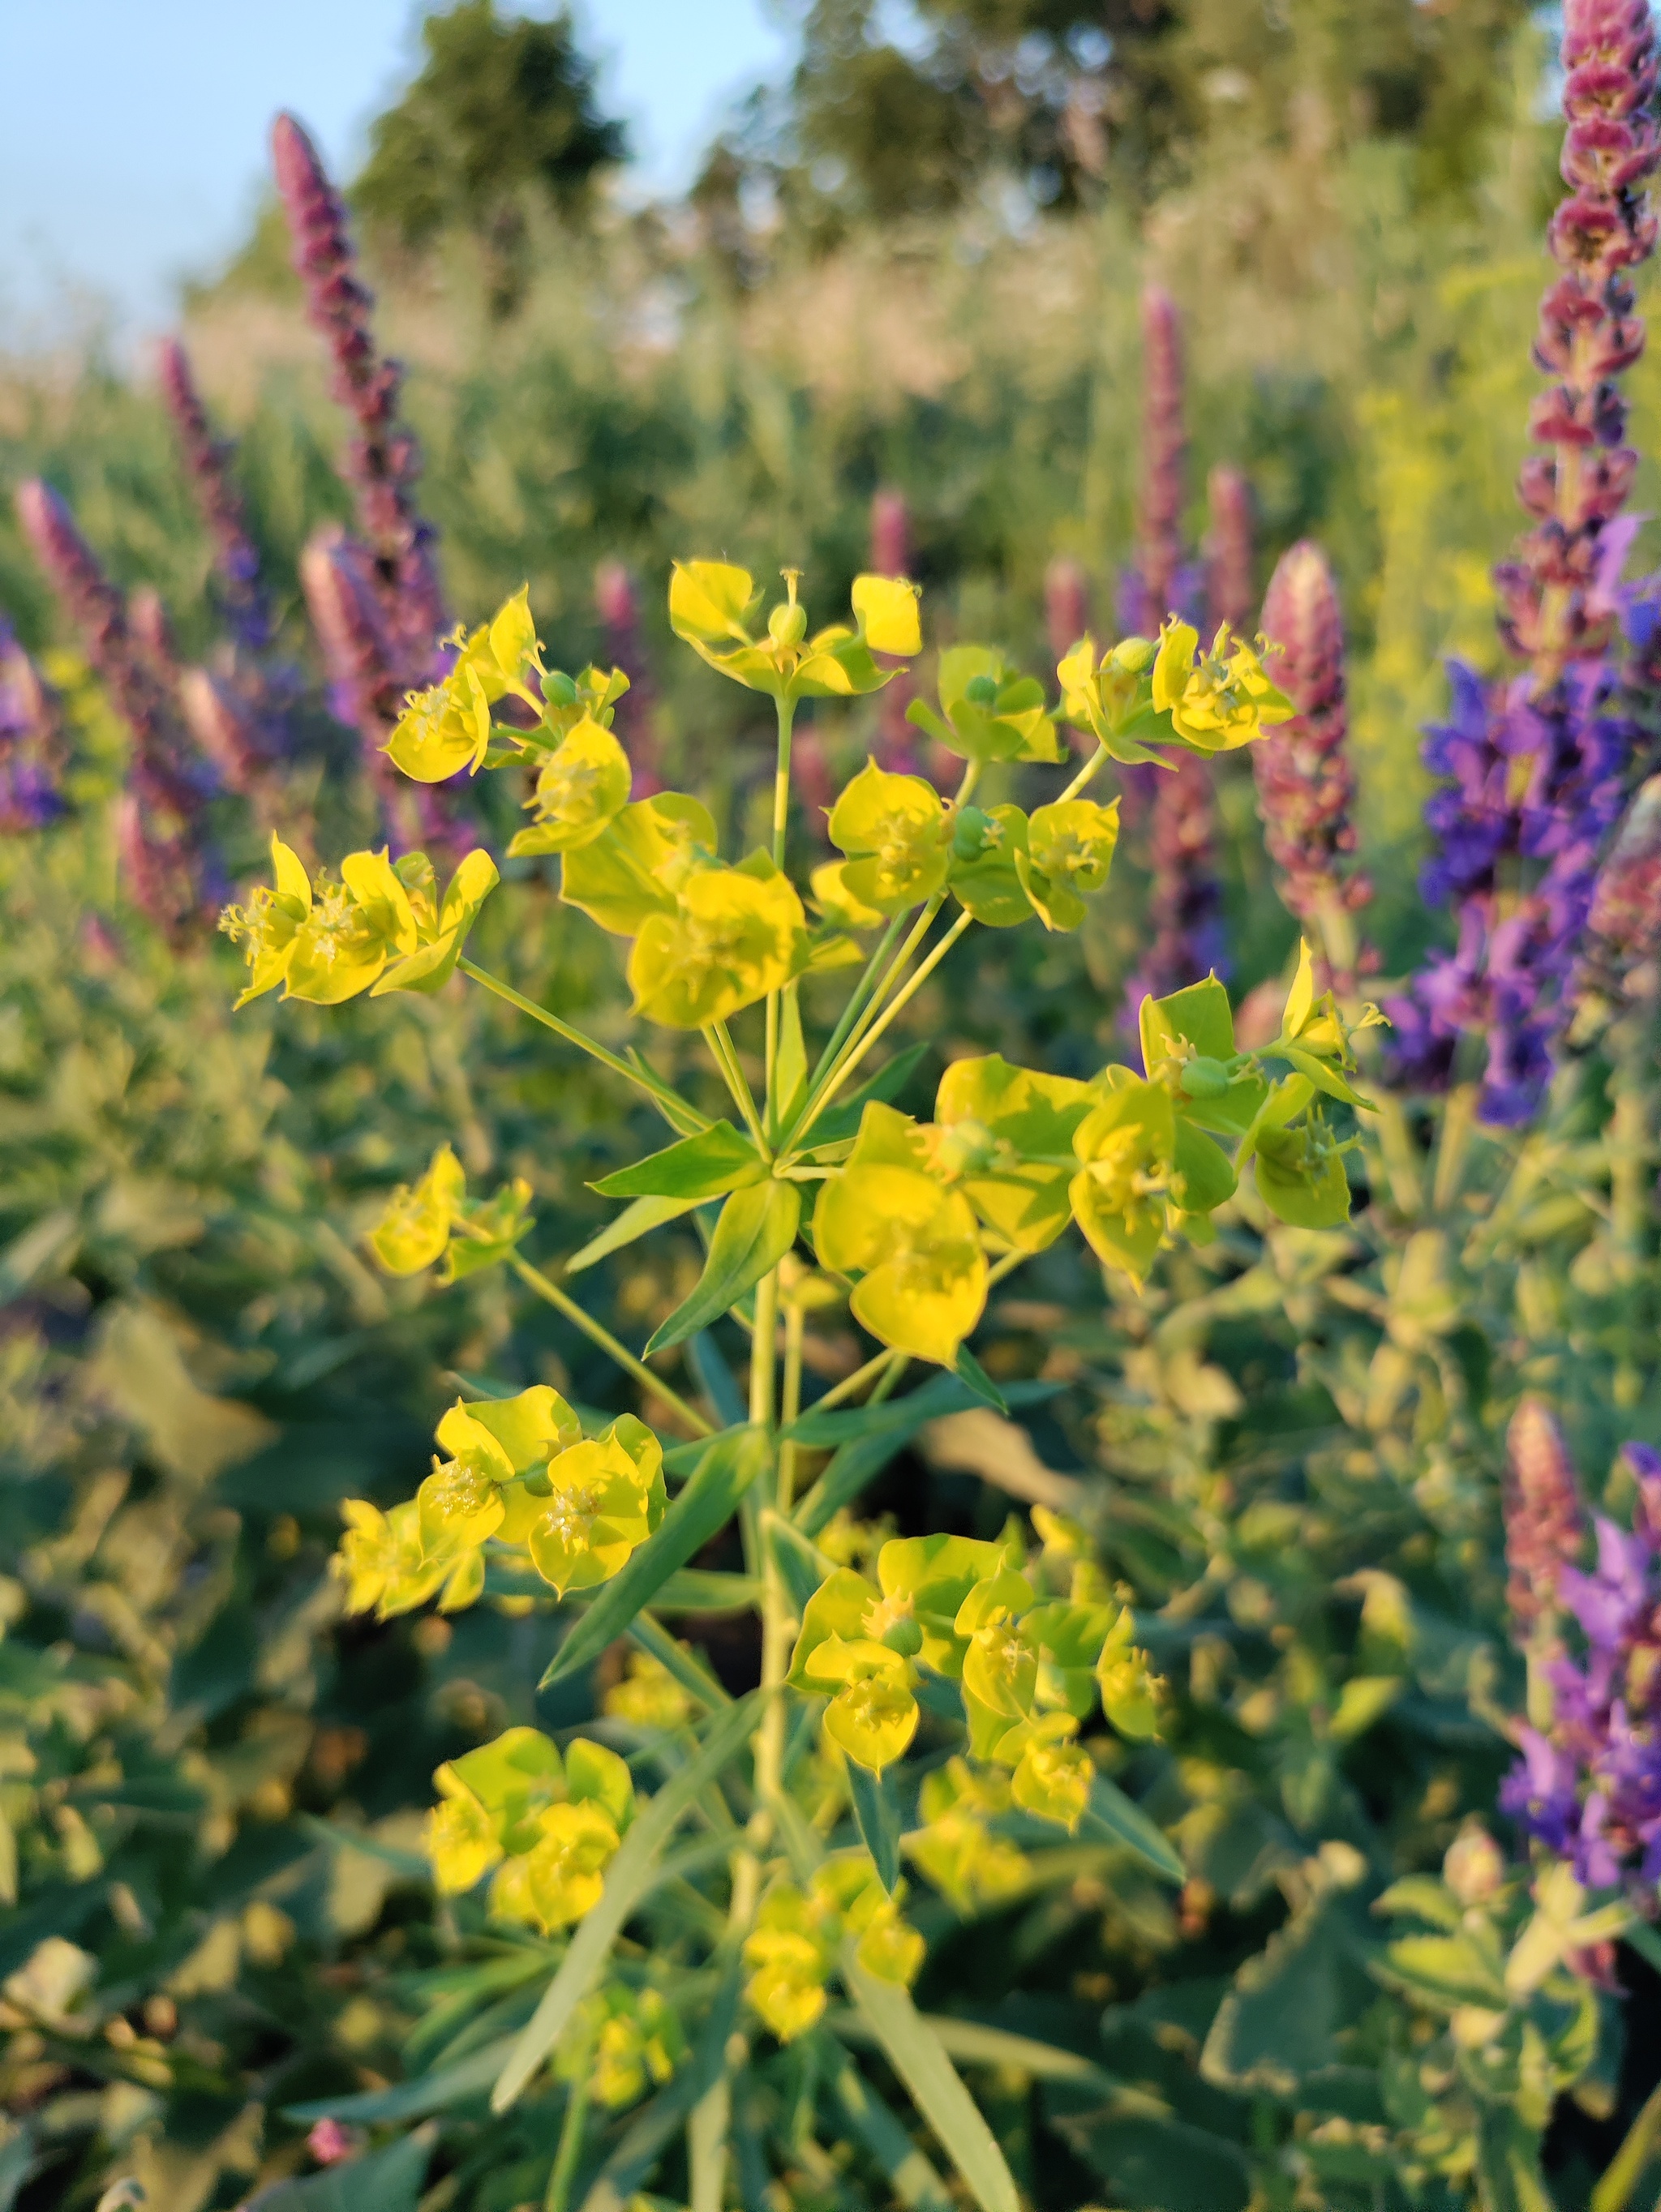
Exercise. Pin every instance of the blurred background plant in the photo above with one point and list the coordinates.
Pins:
(905, 304)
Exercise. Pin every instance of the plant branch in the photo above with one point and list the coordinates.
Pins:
(657, 1090)
(564, 1303)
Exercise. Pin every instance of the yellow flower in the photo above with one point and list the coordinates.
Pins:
(1126, 1146)
(562, 1877)
(550, 1827)
(648, 1698)
(1217, 700)
(872, 1716)
(1003, 1135)
(971, 1867)
(887, 1216)
(579, 791)
(734, 935)
(710, 606)
(447, 727)
(413, 1231)
(591, 1507)
(628, 2037)
(989, 710)
(383, 1561)
(1069, 853)
(1053, 1778)
(895, 830)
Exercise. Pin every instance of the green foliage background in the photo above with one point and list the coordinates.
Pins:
(1289, 1450)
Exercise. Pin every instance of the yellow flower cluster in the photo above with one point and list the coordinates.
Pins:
(625, 2041)
(793, 1949)
(548, 1827)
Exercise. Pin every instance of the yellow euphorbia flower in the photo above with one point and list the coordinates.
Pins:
(872, 1714)
(413, 1231)
(648, 1698)
(581, 791)
(972, 1868)
(887, 1216)
(1218, 700)
(602, 1499)
(989, 710)
(711, 603)
(384, 1562)
(1127, 1146)
(896, 832)
(1069, 855)
(326, 942)
(734, 935)
(550, 1826)
(1053, 1777)
(1004, 1136)
(562, 1877)
(447, 727)
(792, 1946)
(627, 2039)
(636, 865)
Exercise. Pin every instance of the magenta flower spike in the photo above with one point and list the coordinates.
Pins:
(1066, 604)
(616, 602)
(1305, 784)
(383, 460)
(1544, 1511)
(207, 463)
(1626, 904)
(1230, 549)
(30, 743)
(1536, 765)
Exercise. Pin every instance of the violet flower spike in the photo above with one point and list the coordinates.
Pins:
(1544, 1512)
(208, 462)
(1231, 549)
(617, 602)
(1536, 767)
(30, 743)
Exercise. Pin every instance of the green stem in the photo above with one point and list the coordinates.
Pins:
(787, 710)
(655, 1089)
(1087, 774)
(795, 1328)
(858, 1031)
(562, 1303)
(719, 1039)
(896, 1007)
(570, 2135)
(855, 1007)
(850, 1383)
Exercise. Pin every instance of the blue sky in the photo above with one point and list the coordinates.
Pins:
(133, 145)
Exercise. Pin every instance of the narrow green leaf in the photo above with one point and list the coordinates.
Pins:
(969, 1372)
(719, 1159)
(650, 2129)
(789, 1088)
(1112, 1817)
(636, 1220)
(940, 1395)
(717, 1381)
(1613, 2192)
(706, 2146)
(729, 1467)
(686, 1458)
(877, 1816)
(627, 1881)
(382, 2181)
(912, 2176)
(800, 1565)
(970, 2044)
(885, 1084)
(914, 2051)
(757, 1228)
(411, 2101)
(692, 1589)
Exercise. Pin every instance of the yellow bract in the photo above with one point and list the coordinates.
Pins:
(710, 606)
(888, 1218)
(897, 833)
(1217, 700)
(734, 934)
(447, 727)
(603, 1500)
(1069, 853)
(792, 1946)
(625, 2039)
(580, 790)
(414, 1231)
(550, 1827)
(327, 942)
(1127, 1146)
(886, 608)
(636, 865)
(972, 1868)
(1004, 1135)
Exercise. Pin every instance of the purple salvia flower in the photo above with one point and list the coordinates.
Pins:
(383, 460)
(1536, 765)
(336, 577)
(161, 832)
(1305, 784)
(1164, 459)
(1624, 925)
(30, 743)
(208, 461)
(1231, 547)
(616, 602)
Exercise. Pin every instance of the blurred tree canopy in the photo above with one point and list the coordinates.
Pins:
(1068, 97)
(504, 110)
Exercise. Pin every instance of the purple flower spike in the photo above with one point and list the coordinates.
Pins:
(1230, 549)
(30, 743)
(1066, 604)
(1625, 903)
(335, 576)
(1306, 785)
(617, 605)
(1536, 765)
(383, 461)
(208, 460)
(163, 836)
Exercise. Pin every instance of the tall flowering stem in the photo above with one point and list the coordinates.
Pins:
(383, 460)
(1305, 783)
(208, 460)
(1185, 899)
(30, 743)
(1231, 549)
(1536, 764)
(171, 870)
(1588, 1785)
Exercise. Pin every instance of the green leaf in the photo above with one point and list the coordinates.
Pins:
(381, 2181)
(912, 2178)
(757, 1228)
(651, 2129)
(636, 1220)
(969, 1372)
(691, 1590)
(1112, 1817)
(800, 1565)
(729, 1467)
(627, 1880)
(914, 2051)
(789, 1087)
(412, 2100)
(1289, 2005)
(942, 1394)
(719, 1159)
(717, 1381)
(863, 1457)
(1154, 2163)
(885, 1085)
(877, 1816)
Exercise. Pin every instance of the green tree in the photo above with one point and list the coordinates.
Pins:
(502, 114)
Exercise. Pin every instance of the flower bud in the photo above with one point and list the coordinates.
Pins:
(1475, 1867)
(788, 625)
